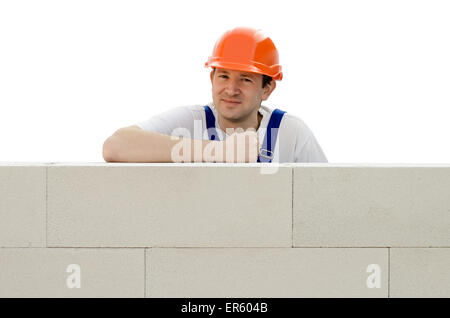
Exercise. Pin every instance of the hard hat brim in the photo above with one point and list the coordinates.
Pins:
(274, 71)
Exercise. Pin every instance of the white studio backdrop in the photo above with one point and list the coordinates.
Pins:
(370, 78)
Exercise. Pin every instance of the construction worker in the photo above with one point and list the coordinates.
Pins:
(245, 68)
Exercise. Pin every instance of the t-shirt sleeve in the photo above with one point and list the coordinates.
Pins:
(166, 122)
(310, 151)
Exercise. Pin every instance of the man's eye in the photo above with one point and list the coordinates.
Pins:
(247, 80)
(223, 76)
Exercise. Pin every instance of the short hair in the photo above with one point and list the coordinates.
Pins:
(265, 80)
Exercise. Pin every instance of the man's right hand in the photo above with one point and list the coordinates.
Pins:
(241, 147)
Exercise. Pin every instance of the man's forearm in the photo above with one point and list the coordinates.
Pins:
(137, 145)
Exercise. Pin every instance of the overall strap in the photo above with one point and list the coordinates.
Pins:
(270, 139)
(266, 153)
(211, 124)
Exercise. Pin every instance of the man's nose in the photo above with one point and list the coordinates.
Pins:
(232, 87)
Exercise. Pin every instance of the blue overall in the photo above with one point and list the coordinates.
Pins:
(265, 154)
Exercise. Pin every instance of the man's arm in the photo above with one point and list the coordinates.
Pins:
(133, 144)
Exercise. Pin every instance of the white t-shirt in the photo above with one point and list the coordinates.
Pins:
(295, 141)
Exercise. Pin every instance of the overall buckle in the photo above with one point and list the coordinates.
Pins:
(266, 155)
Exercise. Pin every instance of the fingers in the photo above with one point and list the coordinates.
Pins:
(242, 147)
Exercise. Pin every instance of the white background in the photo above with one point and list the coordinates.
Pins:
(370, 78)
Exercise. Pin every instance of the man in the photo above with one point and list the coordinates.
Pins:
(235, 127)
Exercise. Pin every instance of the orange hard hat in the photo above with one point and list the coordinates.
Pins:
(248, 50)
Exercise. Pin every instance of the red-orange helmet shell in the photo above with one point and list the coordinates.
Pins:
(248, 50)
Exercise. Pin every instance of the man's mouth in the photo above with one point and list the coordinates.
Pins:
(230, 101)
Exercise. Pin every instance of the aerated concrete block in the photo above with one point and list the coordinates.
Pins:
(267, 272)
(420, 272)
(168, 206)
(371, 206)
(60, 272)
(22, 205)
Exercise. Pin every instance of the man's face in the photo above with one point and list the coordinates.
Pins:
(237, 95)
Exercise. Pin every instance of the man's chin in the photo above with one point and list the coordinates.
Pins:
(230, 114)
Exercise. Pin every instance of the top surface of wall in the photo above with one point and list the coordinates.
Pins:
(330, 165)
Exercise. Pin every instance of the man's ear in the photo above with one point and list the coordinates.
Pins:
(268, 89)
(211, 75)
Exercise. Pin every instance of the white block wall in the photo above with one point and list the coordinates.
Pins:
(215, 230)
